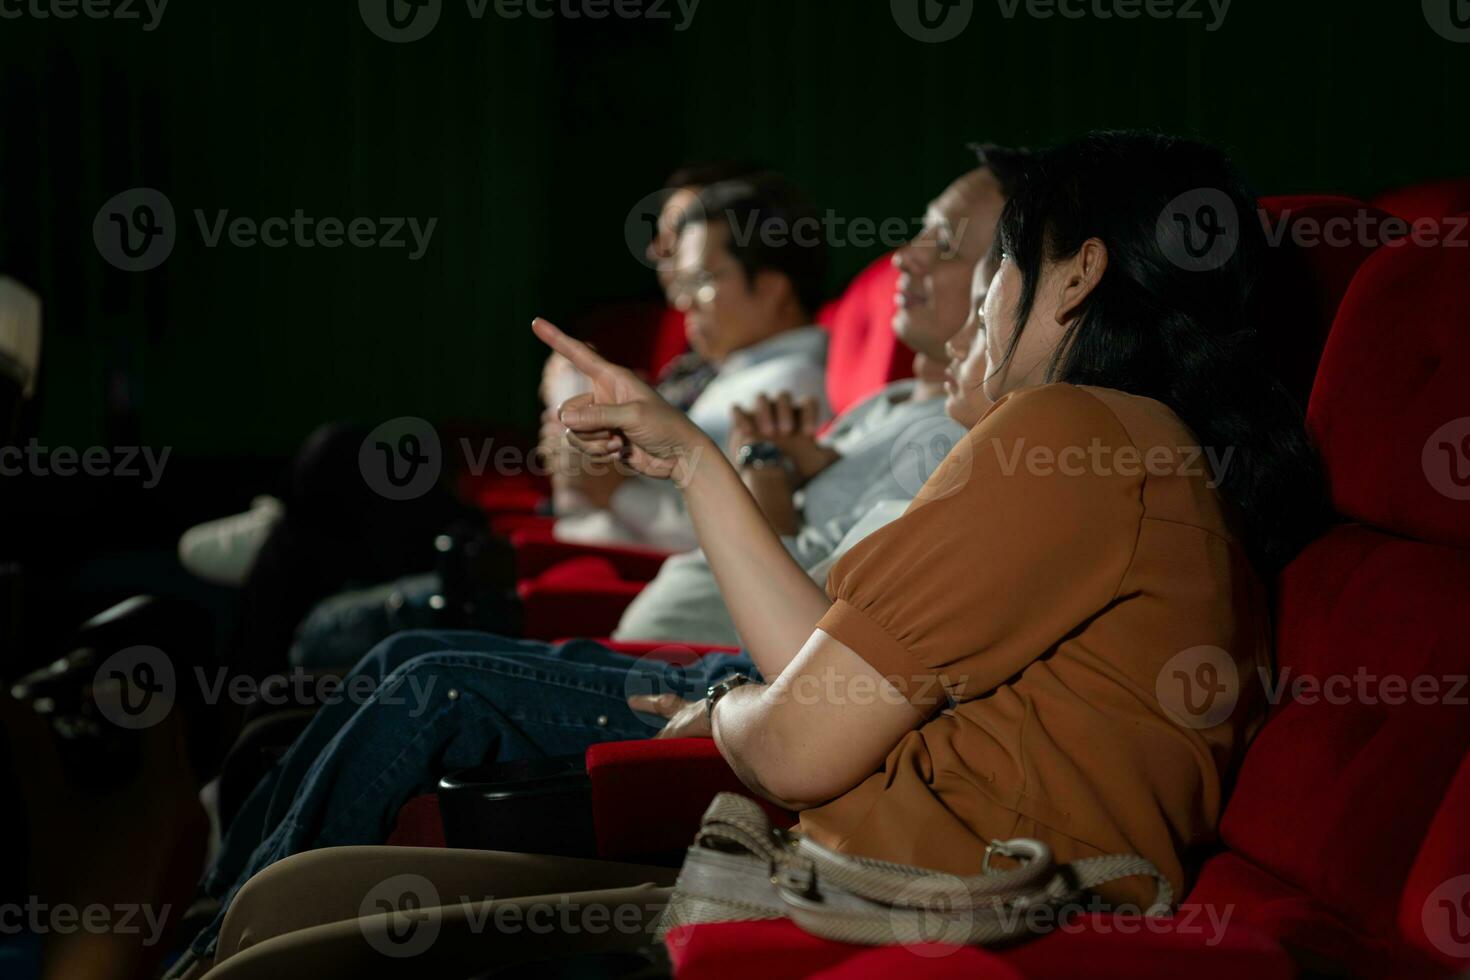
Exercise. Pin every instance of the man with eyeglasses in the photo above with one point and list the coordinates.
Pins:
(353, 766)
(725, 257)
(749, 289)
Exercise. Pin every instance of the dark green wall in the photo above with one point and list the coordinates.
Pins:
(530, 140)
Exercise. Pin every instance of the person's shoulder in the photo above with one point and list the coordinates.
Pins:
(1054, 411)
(794, 372)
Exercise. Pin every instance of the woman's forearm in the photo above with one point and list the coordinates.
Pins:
(773, 603)
(771, 490)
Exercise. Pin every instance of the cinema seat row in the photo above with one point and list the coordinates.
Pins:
(1343, 848)
(576, 590)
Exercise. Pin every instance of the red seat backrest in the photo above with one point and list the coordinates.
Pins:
(1339, 789)
(670, 342)
(1432, 199)
(1434, 912)
(644, 336)
(863, 354)
(1317, 244)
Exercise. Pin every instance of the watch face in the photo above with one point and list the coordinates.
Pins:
(760, 454)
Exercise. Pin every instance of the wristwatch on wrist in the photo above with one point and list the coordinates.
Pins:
(765, 455)
(721, 688)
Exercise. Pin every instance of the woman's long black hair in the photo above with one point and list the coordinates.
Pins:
(1171, 317)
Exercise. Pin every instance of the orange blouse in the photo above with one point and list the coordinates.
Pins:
(1067, 602)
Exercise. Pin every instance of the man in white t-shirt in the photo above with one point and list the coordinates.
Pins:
(826, 495)
(749, 284)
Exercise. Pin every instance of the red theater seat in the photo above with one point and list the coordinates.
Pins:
(636, 814)
(1094, 947)
(1338, 794)
(1317, 244)
(584, 595)
(1337, 847)
(1434, 914)
(1343, 841)
(863, 355)
(644, 336)
(1432, 199)
(537, 553)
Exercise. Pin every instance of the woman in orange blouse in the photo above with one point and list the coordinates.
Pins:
(1065, 636)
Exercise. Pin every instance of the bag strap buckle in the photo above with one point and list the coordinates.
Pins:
(796, 878)
(1003, 848)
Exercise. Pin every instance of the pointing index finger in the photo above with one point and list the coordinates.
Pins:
(584, 358)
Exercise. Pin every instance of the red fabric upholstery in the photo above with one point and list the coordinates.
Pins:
(508, 524)
(1390, 390)
(1338, 826)
(642, 336)
(537, 553)
(419, 824)
(1357, 603)
(635, 810)
(1339, 790)
(577, 590)
(674, 653)
(495, 493)
(1434, 914)
(1289, 916)
(670, 341)
(584, 596)
(863, 354)
(1093, 946)
(777, 949)
(1312, 260)
(1434, 199)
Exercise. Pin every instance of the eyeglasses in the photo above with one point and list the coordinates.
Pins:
(695, 290)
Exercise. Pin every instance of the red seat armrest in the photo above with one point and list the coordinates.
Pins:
(536, 551)
(508, 525)
(1093, 946)
(648, 797)
(681, 654)
(496, 493)
(552, 608)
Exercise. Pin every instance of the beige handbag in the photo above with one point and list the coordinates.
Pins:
(740, 868)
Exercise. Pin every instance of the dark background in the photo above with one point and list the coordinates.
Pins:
(530, 140)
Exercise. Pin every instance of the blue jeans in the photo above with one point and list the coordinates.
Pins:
(439, 701)
(340, 627)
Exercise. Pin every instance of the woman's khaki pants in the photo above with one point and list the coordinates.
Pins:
(430, 912)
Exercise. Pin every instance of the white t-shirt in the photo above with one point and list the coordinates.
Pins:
(651, 513)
